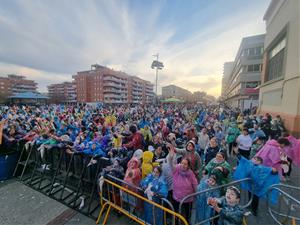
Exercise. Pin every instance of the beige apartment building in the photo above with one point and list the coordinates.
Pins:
(242, 77)
(280, 87)
(62, 93)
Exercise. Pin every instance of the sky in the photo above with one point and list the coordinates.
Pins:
(49, 41)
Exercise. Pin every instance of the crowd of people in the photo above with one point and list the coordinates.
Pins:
(170, 151)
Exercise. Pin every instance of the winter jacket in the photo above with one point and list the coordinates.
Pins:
(210, 153)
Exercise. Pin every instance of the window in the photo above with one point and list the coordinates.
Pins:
(259, 51)
(254, 68)
(275, 60)
(252, 84)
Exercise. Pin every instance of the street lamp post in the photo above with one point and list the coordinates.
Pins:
(158, 66)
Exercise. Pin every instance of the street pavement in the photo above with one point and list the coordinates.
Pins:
(22, 205)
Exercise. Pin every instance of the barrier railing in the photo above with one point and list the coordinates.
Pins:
(285, 199)
(194, 196)
(130, 201)
(69, 180)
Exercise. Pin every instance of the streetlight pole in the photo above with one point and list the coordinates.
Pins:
(156, 77)
(158, 66)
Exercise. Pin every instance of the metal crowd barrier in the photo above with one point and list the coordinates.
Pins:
(290, 203)
(69, 180)
(130, 201)
(245, 201)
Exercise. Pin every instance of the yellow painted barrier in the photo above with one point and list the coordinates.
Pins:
(111, 202)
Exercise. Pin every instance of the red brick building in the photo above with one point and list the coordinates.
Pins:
(101, 84)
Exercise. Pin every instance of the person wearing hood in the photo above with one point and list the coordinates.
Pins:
(94, 150)
(190, 153)
(211, 151)
(184, 183)
(147, 135)
(233, 133)
(132, 180)
(272, 152)
(203, 140)
(155, 188)
(262, 178)
(133, 173)
(136, 140)
(293, 153)
(203, 210)
(114, 170)
(231, 213)
(147, 165)
(219, 167)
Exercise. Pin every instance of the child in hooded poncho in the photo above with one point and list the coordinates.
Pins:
(148, 165)
(203, 210)
(228, 207)
(155, 187)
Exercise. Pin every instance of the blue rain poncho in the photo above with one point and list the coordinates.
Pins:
(97, 151)
(262, 178)
(203, 210)
(159, 187)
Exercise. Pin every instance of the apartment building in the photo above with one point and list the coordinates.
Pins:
(102, 84)
(62, 93)
(14, 84)
(227, 70)
(241, 87)
(173, 91)
(280, 88)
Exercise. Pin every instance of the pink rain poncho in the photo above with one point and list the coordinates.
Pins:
(270, 153)
(293, 151)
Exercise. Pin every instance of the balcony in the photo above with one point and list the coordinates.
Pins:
(111, 78)
(114, 96)
(113, 84)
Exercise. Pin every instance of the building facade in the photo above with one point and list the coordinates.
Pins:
(227, 70)
(173, 91)
(241, 86)
(62, 93)
(15, 84)
(280, 88)
(101, 84)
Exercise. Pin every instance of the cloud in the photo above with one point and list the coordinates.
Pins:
(51, 40)
(43, 78)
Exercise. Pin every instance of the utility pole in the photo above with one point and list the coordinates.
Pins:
(158, 66)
